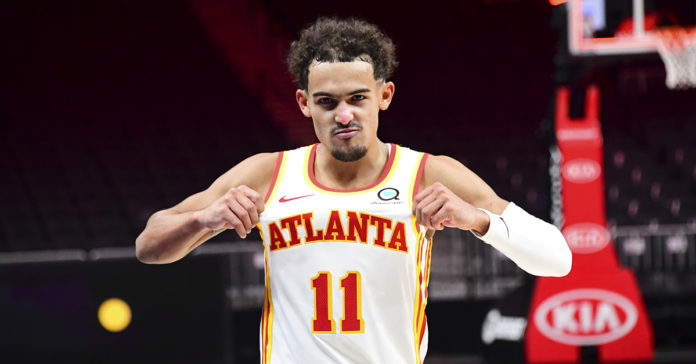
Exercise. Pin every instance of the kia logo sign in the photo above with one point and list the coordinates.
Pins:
(581, 170)
(586, 237)
(586, 317)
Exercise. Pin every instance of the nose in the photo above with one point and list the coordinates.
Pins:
(343, 114)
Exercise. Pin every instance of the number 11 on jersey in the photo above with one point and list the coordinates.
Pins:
(351, 322)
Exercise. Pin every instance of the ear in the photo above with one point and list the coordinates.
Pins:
(386, 95)
(302, 100)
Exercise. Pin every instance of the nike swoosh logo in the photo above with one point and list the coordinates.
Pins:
(283, 199)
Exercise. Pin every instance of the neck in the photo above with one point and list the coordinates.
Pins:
(334, 173)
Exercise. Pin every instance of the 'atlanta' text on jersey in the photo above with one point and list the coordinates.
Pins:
(348, 227)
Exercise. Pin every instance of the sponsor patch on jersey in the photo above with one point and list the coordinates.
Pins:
(388, 193)
(388, 196)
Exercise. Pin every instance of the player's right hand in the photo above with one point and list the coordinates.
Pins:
(238, 209)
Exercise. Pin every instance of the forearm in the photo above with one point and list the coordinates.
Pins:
(534, 245)
(169, 236)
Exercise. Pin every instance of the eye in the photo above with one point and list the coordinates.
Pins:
(325, 101)
(358, 97)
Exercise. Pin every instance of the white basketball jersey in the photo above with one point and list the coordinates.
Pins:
(346, 270)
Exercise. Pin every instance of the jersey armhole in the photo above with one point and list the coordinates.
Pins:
(419, 175)
(277, 171)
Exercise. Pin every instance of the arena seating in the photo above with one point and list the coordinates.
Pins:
(86, 174)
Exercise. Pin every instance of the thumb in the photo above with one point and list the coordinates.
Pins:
(441, 219)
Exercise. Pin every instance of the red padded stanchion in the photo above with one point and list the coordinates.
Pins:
(598, 303)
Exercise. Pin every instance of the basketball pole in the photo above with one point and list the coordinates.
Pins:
(638, 19)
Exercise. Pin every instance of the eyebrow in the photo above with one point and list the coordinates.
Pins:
(358, 91)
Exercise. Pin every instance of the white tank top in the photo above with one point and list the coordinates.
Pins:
(346, 270)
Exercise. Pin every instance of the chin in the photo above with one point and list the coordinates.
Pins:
(349, 154)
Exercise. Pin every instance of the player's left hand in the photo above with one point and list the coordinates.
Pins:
(436, 207)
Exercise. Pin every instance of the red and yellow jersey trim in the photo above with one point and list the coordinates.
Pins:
(428, 251)
(421, 265)
(311, 180)
(418, 304)
(426, 275)
(413, 190)
(416, 178)
(421, 300)
(267, 316)
(277, 173)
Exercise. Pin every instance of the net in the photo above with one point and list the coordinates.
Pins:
(677, 47)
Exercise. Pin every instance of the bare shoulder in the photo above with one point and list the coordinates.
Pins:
(462, 181)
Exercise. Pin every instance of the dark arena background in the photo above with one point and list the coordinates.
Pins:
(112, 110)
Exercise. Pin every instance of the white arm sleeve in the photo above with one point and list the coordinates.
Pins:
(534, 245)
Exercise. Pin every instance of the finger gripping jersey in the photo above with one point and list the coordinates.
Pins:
(346, 270)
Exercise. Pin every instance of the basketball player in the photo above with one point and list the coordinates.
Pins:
(344, 221)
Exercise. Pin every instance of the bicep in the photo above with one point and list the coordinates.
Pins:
(461, 181)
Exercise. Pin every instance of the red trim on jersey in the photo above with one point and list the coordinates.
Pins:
(420, 307)
(421, 271)
(416, 185)
(274, 180)
(266, 324)
(427, 267)
(422, 333)
(264, 333)
(385, 172)
(419, 174)
(264, 347)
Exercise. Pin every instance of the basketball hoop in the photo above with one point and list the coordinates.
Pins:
(677, 47)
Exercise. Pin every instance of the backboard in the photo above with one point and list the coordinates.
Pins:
(618, 27)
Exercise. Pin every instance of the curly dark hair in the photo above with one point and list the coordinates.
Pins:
(341, 40)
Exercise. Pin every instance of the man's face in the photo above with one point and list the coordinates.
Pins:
(343, 99)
